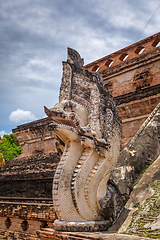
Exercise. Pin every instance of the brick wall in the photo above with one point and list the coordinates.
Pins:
(25, 217)
(50, 235)
(120, 59)
(55, 235)
(35, 136)
(133, 78)
(29, 177)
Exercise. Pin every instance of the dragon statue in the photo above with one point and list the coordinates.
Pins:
(86, 121)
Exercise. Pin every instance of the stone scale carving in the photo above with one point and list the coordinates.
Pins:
(86, 120)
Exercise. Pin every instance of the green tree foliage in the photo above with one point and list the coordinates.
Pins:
(9, 147)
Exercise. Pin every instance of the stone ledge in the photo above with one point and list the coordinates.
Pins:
(52, 234)
(31, 125)
(28, 211)
(140, 94)
(37, 166)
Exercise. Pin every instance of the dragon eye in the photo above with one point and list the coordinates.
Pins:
(93, 128)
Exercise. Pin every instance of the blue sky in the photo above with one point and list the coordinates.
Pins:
(34, 36)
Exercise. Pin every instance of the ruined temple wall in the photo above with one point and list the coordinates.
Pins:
(36, 136)
(36, 214)
(142, 86)
(138, 111)
(29, 176)
(133, 78)
(119, 59)
(132, 75)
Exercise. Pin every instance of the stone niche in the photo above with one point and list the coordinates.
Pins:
(142, 79)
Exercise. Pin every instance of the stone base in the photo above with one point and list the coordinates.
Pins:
(90, 226)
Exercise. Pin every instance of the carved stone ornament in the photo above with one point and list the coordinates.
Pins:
(86, 120)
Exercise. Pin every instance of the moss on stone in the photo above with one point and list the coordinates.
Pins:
(145, 214)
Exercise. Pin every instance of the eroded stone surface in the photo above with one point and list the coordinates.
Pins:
(144, 216)
(158, 202)
(29, 177)
(142, 150)
(140, 153)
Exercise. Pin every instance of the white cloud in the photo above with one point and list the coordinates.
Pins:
(21, 116)
(2, 133)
